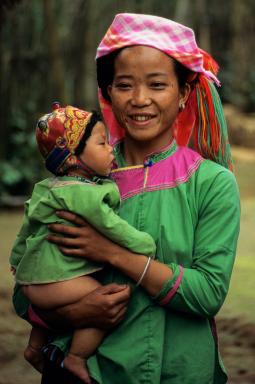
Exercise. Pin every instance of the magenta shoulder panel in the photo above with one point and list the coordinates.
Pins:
(164, 174)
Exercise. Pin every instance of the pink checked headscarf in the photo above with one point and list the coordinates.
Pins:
(177, 41)
(170, 37)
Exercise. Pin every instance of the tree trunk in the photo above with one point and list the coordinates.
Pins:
(4, 103)
(80, 51)
(6, 68)
(182, 12)
(203, 25)
(243, 56)
(56, 67)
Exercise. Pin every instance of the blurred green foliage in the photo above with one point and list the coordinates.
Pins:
(22, 166)
(18, 172)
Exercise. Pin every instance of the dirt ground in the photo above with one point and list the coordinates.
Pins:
(237, 346)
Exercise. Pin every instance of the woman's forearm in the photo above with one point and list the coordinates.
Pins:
(133, 265)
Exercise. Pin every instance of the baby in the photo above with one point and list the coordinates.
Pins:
(76, 150)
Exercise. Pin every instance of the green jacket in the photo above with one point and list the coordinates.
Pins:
(190, 206)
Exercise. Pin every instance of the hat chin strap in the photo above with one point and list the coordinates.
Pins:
(88, 171)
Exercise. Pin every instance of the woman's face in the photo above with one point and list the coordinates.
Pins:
(145, 95)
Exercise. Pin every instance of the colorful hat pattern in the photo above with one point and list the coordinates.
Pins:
(58, 135)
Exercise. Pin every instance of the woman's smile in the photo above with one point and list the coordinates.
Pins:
(141, 119)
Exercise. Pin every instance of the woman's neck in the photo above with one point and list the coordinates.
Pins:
(135, 152)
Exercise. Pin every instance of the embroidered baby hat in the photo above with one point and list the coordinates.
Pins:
(61, 136)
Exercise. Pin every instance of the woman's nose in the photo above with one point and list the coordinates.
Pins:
(140, 97)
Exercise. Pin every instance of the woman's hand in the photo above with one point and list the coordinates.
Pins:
(82, 240)
(103, 308)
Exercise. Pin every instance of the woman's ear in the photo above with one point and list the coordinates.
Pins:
(184, 95)
(109, 90)
(186, 92)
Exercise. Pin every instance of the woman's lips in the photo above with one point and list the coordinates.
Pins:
(140, 119)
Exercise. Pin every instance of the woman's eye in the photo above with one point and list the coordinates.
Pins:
(123, 86)
(158, 85)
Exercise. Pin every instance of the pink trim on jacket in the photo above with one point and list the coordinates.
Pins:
(172, 291)
(166, 173)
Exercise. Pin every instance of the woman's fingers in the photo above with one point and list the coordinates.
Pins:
(111, 301)
(119, 316)
(117, 304)
(72, 251)
(72, 217)
(63, 241)
(64, 229)
(114, 288)
(121, 296)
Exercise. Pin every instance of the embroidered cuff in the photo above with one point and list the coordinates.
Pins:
(170, 287)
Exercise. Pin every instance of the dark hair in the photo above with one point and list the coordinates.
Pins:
(93, 120)
(182, 73)
(105, 72)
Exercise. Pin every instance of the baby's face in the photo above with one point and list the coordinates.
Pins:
(97, 153)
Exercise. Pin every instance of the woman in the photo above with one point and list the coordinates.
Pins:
(155, 86)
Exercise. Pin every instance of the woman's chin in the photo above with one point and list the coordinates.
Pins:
(141, 133)
(140, 136)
